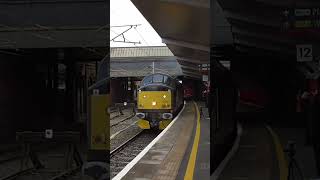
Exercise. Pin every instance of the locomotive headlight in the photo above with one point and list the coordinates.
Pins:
(144, 96)
(167, 116)
(140, 115)
(164, 96)
(154, 103)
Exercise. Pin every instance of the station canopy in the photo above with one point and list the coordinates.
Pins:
(53, 24)
(184, 28)
(271, 27)
(143, 61)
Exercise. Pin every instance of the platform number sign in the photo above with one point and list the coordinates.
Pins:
(304, 53)
(205, 78)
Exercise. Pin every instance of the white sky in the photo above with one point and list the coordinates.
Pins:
(123, 12)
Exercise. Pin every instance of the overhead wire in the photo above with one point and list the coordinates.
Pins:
(119, 34)
(48, 29)
(147, 53)
(160, 67)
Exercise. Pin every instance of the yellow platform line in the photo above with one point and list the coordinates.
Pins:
(193, 155)
(280, 154)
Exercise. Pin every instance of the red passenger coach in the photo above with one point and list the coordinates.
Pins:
(188, 92)
(254, 97)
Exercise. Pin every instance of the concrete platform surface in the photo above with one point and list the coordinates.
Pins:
(305, 155)
(163, 160)
(256, 156)
(182, 148)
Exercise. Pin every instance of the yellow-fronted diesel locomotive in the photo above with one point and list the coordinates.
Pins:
(159, 99)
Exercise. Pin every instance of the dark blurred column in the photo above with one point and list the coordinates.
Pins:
(55, 89)
(70, 91)
(223, 124)
(85, 90)
(55, 77)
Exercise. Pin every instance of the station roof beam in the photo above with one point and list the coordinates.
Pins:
(183, 26)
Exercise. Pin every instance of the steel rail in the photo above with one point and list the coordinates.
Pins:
(123, 145)
(15, 175)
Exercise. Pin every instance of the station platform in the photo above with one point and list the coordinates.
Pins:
(258, 153)
(252, 156)
(181, 151)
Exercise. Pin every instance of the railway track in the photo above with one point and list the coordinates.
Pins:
(67, 174)
(123, 145)
(115, 113)
(121, 120)
(16, 154)
(30, 172)
(11, 158)
(121, 125)
(128, 150)
(17, 174)
(33, 171)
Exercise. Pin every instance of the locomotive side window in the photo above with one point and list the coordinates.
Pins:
(168, 81)
(165, 79)
(172, 83)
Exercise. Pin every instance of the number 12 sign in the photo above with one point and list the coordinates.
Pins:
(304, 52)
